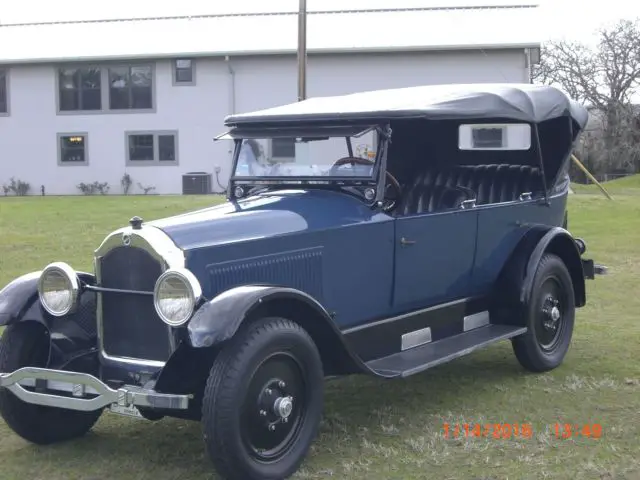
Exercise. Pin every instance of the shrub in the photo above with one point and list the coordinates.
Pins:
(92, 188)
(18, 187)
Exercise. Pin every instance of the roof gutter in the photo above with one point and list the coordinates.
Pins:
(248, 53)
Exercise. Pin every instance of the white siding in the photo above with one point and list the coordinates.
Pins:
(28, 136)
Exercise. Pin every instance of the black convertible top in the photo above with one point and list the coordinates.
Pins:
(521, 102)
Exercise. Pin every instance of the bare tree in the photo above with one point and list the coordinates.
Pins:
(605, 78)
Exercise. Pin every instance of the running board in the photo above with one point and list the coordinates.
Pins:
(418, 359)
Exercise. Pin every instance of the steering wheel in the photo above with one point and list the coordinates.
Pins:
(389, 203)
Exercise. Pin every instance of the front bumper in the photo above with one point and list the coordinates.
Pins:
(86, 391)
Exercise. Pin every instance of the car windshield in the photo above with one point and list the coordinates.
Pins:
(314, 155)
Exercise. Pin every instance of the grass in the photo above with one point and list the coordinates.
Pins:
(376, 429)
(629, 185)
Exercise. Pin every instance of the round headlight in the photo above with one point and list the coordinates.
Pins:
(175, 296)
(58, 289)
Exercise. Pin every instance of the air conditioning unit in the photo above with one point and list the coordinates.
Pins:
(196, 183)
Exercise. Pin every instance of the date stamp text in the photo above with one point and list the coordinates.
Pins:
(519, 430)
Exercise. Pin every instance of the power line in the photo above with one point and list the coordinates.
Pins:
(270, 14)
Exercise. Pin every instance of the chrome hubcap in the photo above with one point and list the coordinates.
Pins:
(552, 313)
(283, 406)
(549, 322)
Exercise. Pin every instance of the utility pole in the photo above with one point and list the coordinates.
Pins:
(302, 50)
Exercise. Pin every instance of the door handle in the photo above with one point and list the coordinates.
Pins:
(404, 241)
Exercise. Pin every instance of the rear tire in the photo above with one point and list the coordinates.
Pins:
(263, 401)
(550, 317)
(27, 345)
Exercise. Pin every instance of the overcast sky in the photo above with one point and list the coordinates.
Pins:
(575, 19)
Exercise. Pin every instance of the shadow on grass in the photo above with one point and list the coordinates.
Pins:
(353, 405)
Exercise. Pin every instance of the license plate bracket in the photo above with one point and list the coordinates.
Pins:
(130, 411)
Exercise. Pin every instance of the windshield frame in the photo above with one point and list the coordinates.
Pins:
(347, 131)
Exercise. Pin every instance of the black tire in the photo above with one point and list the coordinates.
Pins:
(546, 342)
(27, 345)
(238, 405)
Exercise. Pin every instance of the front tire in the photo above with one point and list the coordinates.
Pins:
(263, 401)
(550, 317)
(27, 345)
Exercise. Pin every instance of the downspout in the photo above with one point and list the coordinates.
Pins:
(232, 110)
(232, 88)
(529, 67)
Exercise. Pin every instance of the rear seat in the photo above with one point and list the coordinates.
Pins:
(425, 196)
(447, 188)
(497, 183)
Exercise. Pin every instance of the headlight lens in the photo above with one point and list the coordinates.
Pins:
(176, 294)
(58, 289)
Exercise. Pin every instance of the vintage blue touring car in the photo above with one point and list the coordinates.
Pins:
(382, 232)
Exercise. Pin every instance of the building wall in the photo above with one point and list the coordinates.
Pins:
(28, 135)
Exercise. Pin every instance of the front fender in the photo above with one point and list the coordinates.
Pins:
(219, 319)
(72, 337)
(19, 299)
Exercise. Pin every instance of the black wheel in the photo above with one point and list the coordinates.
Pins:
(263, 401)
(550, 317)
(27, 345)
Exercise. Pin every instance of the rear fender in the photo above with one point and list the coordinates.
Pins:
(512, 291)
(560, 242)
(71, 335)
(218, 320)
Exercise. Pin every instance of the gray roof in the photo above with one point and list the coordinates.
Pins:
(521, 102)
(272, 33)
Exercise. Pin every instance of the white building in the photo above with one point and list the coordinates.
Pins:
(91, 101)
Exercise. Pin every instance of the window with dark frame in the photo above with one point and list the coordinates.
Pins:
(73, 149)
(151, 148)
(102, 88)
(183, 71)
(131, 87)
(283, 148)
(4, 97)
(167, 148)
(487, 137)
(141, 148)
(79, 89)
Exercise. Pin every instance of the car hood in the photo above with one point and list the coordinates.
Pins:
(265, 215)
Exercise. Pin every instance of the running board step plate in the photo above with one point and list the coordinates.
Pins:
(418, 359)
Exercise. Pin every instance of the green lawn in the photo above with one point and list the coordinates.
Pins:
(376, 429)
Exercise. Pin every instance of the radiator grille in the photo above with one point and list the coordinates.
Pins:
(130, 325)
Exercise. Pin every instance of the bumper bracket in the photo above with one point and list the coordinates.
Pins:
(592, 269)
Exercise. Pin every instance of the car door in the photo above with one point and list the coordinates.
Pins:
(434, 256)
